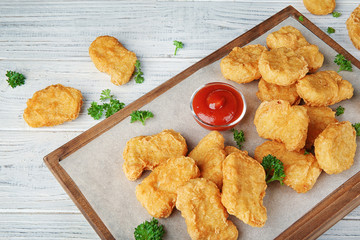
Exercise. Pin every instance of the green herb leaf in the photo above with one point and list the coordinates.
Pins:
(301, 18)
(330, 30)
(239, 137)
(274, 169)
(336, 14)
(178, 45)
(96, 111)
(345, 65)
(105, 94)
(306, 152)
(357, 128)
(339, 110)
(15, 79)
(138, 74)
(149, 231)
(140, 116)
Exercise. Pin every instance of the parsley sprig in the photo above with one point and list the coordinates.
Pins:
(178, 45)
(345, 65)
(96, 111)
(149, 230)
(339, 110)
(274, 169)
(138, 74)
(15, 79)
(330, 30)
(357, 128)
(336, 14)
(141, 116)
(301, 18)
(239, 137)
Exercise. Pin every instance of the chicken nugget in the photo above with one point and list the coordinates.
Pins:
(282, 66)
(320, 7)
(324, 88)
(244, 188)
(301, 170)
(209, 155)
(353, 27)
(157, 192)
(147, 152)
(278, 120)
(230, 149)
(241, 65)
(312, 56)
(320, 117)
(52, 106)
(335, 147)
(269, 91)
(199, 201)
(288, 37)
(111, 57)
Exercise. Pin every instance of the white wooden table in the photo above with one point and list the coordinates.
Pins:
(48, 41)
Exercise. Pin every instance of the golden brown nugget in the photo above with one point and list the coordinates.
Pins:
(320, 7)
(209, 155)
(301, 170)
(278, 120)
(282, 66)
(206, 218)
(147, 152)
(110, 56)
(324, 88)
(241, 65)
(269, 91)
(335, 147)
(320, 117)
(244, 189)
(353, 27)
(312, 56)
(288, 37)
(52, 106)
(157, 192)
(230, 149)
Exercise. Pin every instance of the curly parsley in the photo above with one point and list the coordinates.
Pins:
(239, 137)
(274, 169)
(301, 18)
(178, 45)
(345, 65)
(15, 79)
(357, 128)
(336, 14)
(339, 110)
(149, 230)
(96, 111)
(138, 74)
(330, 30)
(141, 116)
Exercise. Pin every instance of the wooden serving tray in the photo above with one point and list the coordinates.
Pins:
(311, 225)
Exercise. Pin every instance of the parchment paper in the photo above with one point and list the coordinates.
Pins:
(97, 167)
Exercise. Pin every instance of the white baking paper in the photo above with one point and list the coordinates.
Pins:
(97, 167)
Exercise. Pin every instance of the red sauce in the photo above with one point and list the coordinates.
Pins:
(218, 104)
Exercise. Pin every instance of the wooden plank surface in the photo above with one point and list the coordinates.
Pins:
(48, 41)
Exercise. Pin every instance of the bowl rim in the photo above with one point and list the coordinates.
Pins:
(231, 124)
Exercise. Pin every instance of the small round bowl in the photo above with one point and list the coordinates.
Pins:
(240, 101)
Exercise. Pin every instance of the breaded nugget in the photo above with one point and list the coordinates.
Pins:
(288, 37)
(110, 56)
(278, 120)
(230, 149)
(335, 147)
(157, 192)
(282, 66)
(209, 155)
(353, 27)
(206, 218)
(241, 65)
(301, 170)
(147, 152)
(269, 91)
(324, 88)
(52, 106)
(244, 188)
(320, 117)
(312, 56)
(320, 7)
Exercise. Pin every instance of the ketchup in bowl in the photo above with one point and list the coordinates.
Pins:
(218, 106)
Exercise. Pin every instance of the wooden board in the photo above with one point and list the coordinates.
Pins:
(311, 225)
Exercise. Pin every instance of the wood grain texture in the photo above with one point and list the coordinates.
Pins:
(48, 41)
